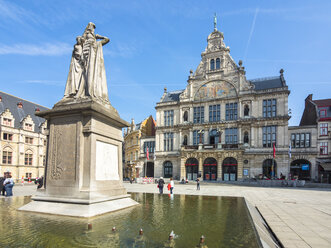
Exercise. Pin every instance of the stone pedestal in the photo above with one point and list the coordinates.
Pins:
(84, 161)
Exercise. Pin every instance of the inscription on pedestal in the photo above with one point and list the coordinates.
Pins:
(106, 161)
(62, 161)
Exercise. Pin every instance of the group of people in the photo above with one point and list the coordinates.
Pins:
(160, 184)
(6, 185)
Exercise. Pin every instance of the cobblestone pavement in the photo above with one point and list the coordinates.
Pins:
(299, 217)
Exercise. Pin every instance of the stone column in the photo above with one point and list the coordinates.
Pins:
(219, 168)
(201, 167)
(182, 168)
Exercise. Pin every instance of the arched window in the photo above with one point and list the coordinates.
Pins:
(218, 63)
(246, 138)
(246, 110)
(167, 169)
(185, 140)
(28, 156)
(212, 64)
(7, 155)
(269, 168)
(185, 117)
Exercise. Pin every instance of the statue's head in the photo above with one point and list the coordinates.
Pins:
(90, 26)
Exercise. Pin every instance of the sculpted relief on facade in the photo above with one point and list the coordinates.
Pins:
(215, 89)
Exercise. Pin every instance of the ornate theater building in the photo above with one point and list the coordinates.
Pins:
(223, 126)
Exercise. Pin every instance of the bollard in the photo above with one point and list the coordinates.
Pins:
(113, 229)
(141, 231)
(89, 226)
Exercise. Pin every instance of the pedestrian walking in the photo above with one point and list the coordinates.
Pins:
(198, 184)
(9, 184)
(172, 185)
(160, 185)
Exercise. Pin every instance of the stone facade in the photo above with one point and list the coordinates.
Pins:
(222, 125)
(23, 138)
(136, 140)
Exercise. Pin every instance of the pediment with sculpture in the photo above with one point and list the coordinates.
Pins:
(214, 90)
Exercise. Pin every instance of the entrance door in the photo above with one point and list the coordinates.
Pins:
(210, 169)
(300, 169)
(192, 167)
(229, 169)
(150, 169)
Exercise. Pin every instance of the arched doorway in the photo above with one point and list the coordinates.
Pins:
(210, 169)
(167, 169)
(192, 166)
(300, 169)
(229, 169)
(267, 168)
(150, 169)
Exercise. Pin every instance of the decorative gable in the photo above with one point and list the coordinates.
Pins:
(28, 123)
(7, 119)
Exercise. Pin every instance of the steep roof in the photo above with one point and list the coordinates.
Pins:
(323, 102)
(10, 102)
(172, 96)
(268, 83)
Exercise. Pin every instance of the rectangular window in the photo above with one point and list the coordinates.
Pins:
(28, 159)
(28, 126)
(214, 113)
(7, 157)
(323, 148)
(168, 141)
(169, 118)
(231, 111)
(28, 175)
(7, 122)
(7, 136)
(269, 108)
(198, 114)
(293, 140)
(136, 155)
(231, 135)
(307, 140)
(28, 140)
(269, 136)
(300, 140)
(150, 145)
(196, 137)
(323, 113)
(324, 129)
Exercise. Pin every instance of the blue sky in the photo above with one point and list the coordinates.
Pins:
(154, 44)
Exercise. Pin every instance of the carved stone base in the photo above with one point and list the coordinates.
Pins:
(78, 209)
(84, 158)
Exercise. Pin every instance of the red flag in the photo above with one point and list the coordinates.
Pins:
(147, 154)
(274, 151)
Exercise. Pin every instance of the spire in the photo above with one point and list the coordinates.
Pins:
(215, 22)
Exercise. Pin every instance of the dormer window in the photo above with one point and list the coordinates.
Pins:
(6, 122)
(28, 126)
(218, 63)
(212, 64)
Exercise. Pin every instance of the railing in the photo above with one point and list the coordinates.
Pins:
(230, 146)
(190, 147)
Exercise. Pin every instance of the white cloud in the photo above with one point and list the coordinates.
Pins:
(47, 49)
